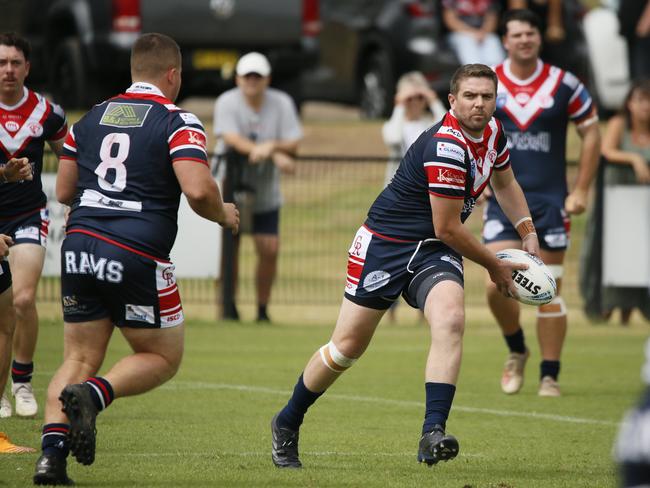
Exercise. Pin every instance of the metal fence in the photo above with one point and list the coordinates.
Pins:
(324, 204)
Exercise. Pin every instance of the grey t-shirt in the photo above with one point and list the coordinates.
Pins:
(276, 120)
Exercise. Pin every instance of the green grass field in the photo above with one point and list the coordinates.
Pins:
(210, 425)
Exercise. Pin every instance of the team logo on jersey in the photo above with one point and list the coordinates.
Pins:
(11, 126)
(502, 98)
(125, 114)
(522, 98)
(168, 275)
(35, 129)
(491, 156)
(545, 101)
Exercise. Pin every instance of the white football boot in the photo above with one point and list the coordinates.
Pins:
(549, 387)
(5, 407)
(26, 405)
(513, 372)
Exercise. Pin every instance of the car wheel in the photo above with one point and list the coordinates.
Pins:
(68, 79)
(377, 86)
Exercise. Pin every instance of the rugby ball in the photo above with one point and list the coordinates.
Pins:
(535, 285)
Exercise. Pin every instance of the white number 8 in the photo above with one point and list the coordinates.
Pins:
(113, 162)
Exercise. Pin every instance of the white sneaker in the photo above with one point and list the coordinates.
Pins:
(26, 405)
(513, 372)
(5, 407)
(548, 387)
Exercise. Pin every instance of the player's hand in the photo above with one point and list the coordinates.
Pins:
(530, 244)
(230, 218)
(576, 202)
(18, 169)
(285, 163)
(261, 152)
(641, 169)
(501, 276)
(5, 242)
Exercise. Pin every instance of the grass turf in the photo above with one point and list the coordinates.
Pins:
(210, 425)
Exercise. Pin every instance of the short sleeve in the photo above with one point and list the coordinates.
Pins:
(225, 115)
(187, 140)
(290, 127)
(581, 107)
(446, 168)
(502, 161)
(69, 152)
(59, 123)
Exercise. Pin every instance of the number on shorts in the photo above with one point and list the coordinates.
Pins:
(115, 163)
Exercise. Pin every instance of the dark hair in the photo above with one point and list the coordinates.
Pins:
(642, 86)
(13, 39)
(471, 71)
(153, 54)
(522, 15)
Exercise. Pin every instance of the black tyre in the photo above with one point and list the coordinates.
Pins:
(377, 86)
(68, 79)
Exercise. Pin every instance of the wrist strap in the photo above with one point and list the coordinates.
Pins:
(525, 227)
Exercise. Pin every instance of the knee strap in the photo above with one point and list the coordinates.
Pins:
(334, 359)
(555, 308)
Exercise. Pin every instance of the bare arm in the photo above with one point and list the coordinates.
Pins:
(56, 146)
(454, 23)
(66, 181)
(451, 231)
(576, 201)
(643, 26)
(203, 194)
(612, 143)
(490, 22)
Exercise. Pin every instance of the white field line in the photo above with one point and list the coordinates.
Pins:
(266, 453)
(199, 385)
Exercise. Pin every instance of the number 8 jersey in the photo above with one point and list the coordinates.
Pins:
(125, 149)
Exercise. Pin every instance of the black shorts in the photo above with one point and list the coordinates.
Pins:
(380, 269)
(266, 222)
(29, 228)
(5, 276)
(104, 279)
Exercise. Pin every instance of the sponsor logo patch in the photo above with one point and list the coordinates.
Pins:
(140, 313)
(31, 233)
(376, 280)
(190, 118)
(451, 151)
(125, 114)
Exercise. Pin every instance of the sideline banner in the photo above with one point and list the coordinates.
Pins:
(196, 252)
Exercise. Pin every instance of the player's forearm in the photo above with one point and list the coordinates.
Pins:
(208, 205)
(286, 146)
(461, 240)
(589, 155)
(512, 201)
(243, 145)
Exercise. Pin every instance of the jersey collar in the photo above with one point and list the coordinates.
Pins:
(20, 102)
(145, 88)
(508, 73)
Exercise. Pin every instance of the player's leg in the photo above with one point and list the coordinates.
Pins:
(267, 246)
(507, 314)
(354, 330)
(84, 349)
(7, 325)
(552, 328)
(26, 260)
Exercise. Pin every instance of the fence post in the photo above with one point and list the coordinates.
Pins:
(228, 310)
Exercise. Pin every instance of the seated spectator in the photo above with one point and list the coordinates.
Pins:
(626, 146)
(417, 108)
(472, 28)
(550, 11)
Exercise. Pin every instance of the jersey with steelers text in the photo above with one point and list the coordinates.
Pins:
(446, 162)
(535, 114)
(24, 129)
(125, 149)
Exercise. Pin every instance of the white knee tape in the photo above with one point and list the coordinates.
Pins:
(557, 270)
(334, 359)
(555, 308)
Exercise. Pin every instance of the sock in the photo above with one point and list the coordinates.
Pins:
(101, 392)
(261, 313)
(439, 397)
(549, 368)
(54, 441)
(21, 372)
(516, 342)
(292, 415)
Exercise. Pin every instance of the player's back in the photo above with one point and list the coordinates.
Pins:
(127, 190)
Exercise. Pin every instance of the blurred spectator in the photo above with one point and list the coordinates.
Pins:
(634, 17)
(417, 108)
(260, 124)
(632, 448)
(550, 12)
(472, 28)
(626, 145)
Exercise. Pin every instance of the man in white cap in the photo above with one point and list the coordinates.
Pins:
(260, 127)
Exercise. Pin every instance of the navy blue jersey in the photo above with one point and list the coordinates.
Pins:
(446, 162)
(535, 114)
(24, 128)
(125, 149)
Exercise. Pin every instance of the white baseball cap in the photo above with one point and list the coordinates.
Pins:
(253, 63)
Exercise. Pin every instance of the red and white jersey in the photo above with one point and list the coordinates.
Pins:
(446, 162)
(24, 128)
(535, 113)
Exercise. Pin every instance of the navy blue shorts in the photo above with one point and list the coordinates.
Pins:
(104, 279)
(266, 222)
(5, 276)
(379, 269)
(29, 228)
(551, 222)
